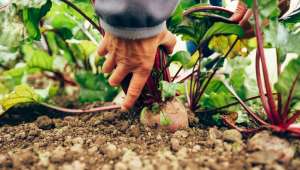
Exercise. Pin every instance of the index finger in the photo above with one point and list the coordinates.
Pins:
(136, 86)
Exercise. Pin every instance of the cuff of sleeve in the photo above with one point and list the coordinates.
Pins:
(133, 33)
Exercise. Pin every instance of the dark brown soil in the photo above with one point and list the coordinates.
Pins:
(112, 141)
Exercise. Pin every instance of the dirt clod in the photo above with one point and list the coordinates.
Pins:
(214, 133)
(181, 134)
(111, 151)
(109, 116)
(232, 136)
(45, 123)
(134, 131)
(58, 155)
(5, 161)
(100, 140)
(279, 149)
(175, 144)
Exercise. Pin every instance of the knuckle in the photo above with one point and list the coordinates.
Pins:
(145, 68)
(133, 92)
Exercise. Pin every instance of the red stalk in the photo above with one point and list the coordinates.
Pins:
(289, 99)
(244, 105)
(294, 130)
(191, 87)
(279, 97)
(177, 73)
(264, 65)
(261, 89)
(184, 77)
(206, 8)
(292, 119)
(81, 111)
(242, 130)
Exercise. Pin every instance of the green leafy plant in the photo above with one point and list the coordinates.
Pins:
(280, 111)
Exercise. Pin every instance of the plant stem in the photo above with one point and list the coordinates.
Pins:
(187, 94)
(261, 89)
(191, 87)
(242, 130)
(179, 70)
(289, 99)
(254, 115)
(215, 71)
(279, 97)
(292, 119)
(81, 111)
(96, 26)
(184, 77)
(260, 43)
(231, 104)
(44, 37)
(206, 8)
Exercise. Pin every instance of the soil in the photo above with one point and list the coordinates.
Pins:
(113, 140)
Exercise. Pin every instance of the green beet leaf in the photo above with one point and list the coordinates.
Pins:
(267, 8)
(279, 37)
(164, 119)
(288, 77)
(94, 87)
(36, 58)
(168, 90)
(32, 17)
(220, 28)
(22, 94)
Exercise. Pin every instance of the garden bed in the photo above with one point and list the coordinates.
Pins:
(114, 140)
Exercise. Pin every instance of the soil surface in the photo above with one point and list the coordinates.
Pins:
(112, 140)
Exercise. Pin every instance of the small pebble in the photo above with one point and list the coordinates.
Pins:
(232, 136)
(175, 144)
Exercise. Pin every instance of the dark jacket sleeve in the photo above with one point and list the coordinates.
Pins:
(134, 19)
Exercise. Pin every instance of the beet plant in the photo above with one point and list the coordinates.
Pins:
(55, 41)
(280, 105)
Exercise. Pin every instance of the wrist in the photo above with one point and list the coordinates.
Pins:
(133, 33)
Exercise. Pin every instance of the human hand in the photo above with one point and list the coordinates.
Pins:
(242, 16)
(127, 56)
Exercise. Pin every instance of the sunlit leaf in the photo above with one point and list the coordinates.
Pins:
(222, 45)
(220, 28)
(32, 17)
(22, 94)
(29, 3)
(37, 58)
(182, 57)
